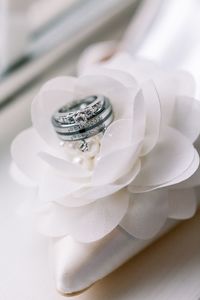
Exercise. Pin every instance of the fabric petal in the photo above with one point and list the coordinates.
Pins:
(184, 180)
(153, 117)
(116, 136)
(181, 82)
(170, 158)
(53, 95)
(121, 98)
(89, 194)
(30, 207)
(70, 169)
(20, 177)
(141, 70)
(60, 83)
(88, 223)
(119, 135)
(24, 150)
(139, 118)
(192, 181)
(146, 214)
(182, 204)
(168, 84)
(55, 185)
(123, 77)
(186, 117)
(96, 54)
(116, 164)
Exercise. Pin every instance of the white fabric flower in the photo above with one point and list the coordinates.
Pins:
(139, 177)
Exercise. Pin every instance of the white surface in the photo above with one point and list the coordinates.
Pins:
(77, 265)
(24, 272)
(169, 269)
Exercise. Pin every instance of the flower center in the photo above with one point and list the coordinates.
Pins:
(84, 152)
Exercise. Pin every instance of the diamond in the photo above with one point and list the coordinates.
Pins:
(70, 118)
(89, 112)
(80, 118)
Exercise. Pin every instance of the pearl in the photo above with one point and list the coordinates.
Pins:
(83, 152)
(94, 147)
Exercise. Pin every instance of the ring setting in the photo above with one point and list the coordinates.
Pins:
(83, 119)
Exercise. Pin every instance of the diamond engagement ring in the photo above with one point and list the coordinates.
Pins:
(83, 119)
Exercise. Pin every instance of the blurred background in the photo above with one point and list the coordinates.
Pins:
(41, 39)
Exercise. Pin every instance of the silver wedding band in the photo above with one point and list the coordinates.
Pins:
(82, 119)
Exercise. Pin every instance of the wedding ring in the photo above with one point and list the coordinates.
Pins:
(82, 119)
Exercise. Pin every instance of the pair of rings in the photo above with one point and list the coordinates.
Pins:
(82, 119)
